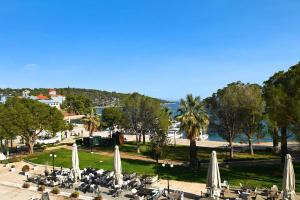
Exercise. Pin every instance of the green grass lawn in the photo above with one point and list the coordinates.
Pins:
(181, 153)
(257, 176)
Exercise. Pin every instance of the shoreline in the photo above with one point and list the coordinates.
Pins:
(207, 143)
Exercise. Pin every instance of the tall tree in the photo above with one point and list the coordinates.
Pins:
(282, 96)
(29, 118)
(252, 106)
(225, 113)
(277, 106)
(112, 116)
(193, 118)
(91, 122)
(77, 104)
(132, 116)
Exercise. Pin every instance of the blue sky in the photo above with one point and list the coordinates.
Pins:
(160, 48)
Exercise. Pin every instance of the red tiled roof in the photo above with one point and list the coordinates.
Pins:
(41, 97)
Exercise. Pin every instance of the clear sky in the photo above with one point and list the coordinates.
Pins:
(162, 48)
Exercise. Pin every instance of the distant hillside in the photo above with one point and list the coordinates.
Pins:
(98, 97)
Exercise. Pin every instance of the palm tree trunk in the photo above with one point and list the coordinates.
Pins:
(284, 149)
(193, 154)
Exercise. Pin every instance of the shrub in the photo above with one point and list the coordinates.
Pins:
(41, 188)
(75, 194)
(98, 198)
(46, 172)
(12, 166)
(26, 185)
(25, 168)
(55, 190)
(15, 159)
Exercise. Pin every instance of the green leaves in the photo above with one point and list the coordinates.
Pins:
(27, 118)
(193, 116)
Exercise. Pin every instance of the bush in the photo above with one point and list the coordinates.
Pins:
(15, 159)
(46, 172)
(75, 194)
(41, 188)
(12, 166)
(55, 190)
(25, 168)
(98, 198)
(26, 185)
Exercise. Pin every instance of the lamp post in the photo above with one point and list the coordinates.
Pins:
(53, 157)
(166, 164)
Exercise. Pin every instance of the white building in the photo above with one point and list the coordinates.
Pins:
(55, 100)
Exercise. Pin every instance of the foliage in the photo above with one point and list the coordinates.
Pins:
(282, 95)
(41, 188)
(77, 104)
(142, 115)
(26, 185)
(158, 144)
(112, 116)
(252, 105)
(25, 168)
(193, 119)
(226, 117)
(55, 190)
(28, 118)
(97, 97)
(91, 122)
(74, 194)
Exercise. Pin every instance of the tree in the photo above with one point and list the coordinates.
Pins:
(132, 116)
(91, 122)
(252, 106)
(225, 113)
(193, 118)
(29, 118)
(143, 115)
(158, 144)
(112, 116)
(277, 106)
(282, 95)
(77, 104)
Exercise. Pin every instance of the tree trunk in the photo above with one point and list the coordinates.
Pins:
(275, 140)
(250, 146)
(193, 154)
(284, 149)
(30, 145)
(1, 143)
(231, 149)
(144, 137)
(137, 143)
(11, 143)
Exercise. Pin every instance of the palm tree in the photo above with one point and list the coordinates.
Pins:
(91, 122)
(193, 118)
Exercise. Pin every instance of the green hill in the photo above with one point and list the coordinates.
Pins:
(98, 97)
